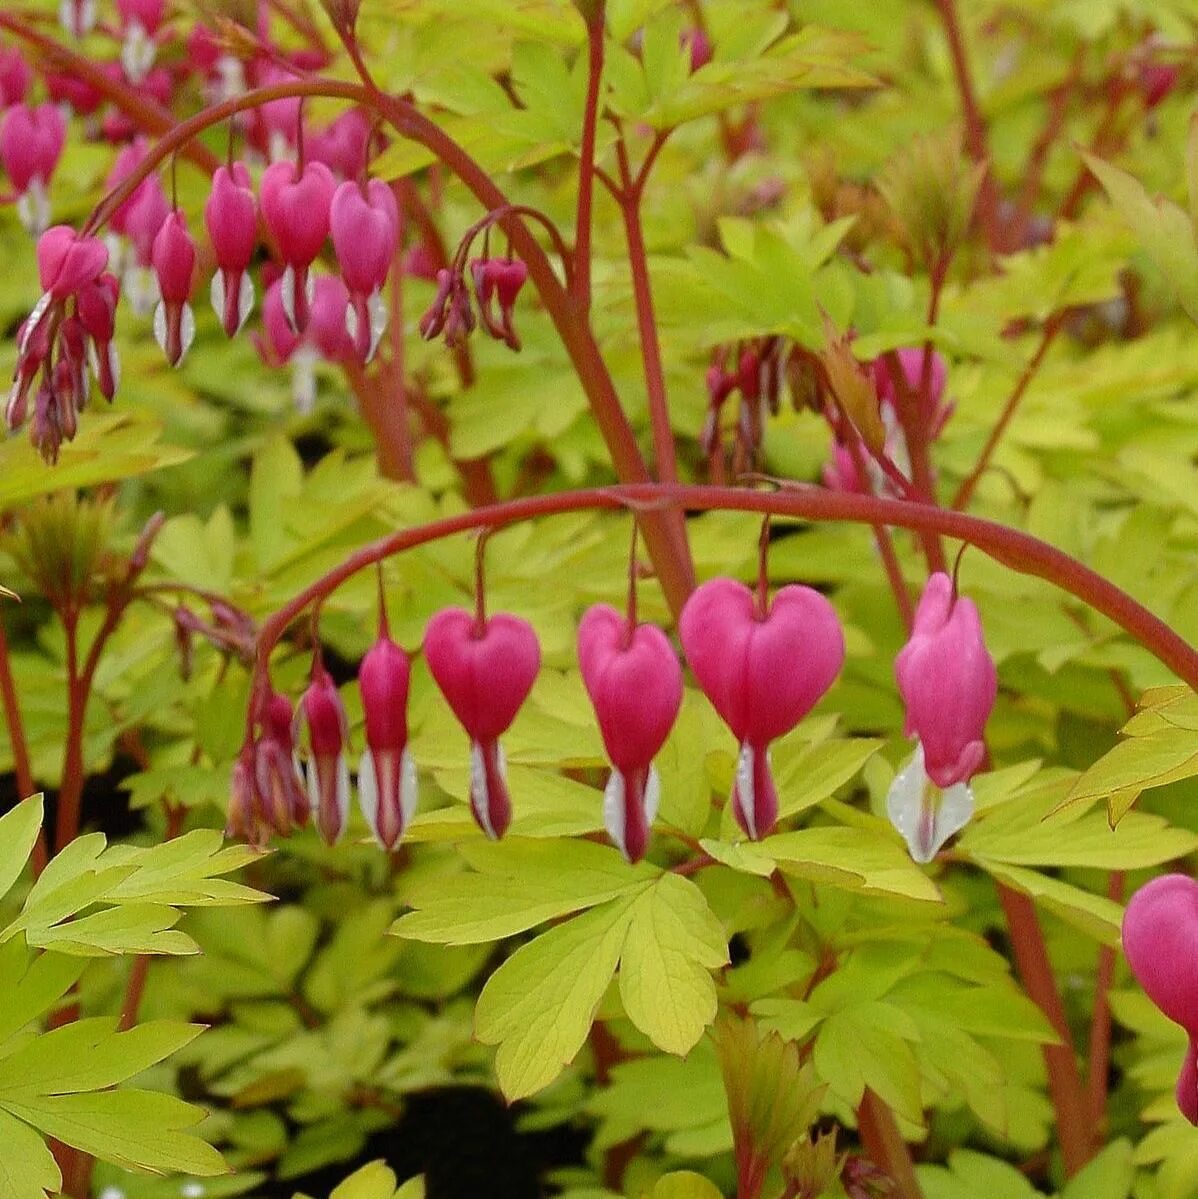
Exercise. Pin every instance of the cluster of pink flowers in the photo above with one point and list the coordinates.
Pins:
(763, 664)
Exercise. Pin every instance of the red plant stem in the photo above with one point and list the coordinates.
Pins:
(79, 685)
(1104, 141)
(1012, 548)
(885, 1145)
(885, 544)
(975, 124)
(969, 484)
(71, 790)
(19, 746)
(655, 379)
(1100, 1022)
(13, 722)
(581, 288)
(1074, 1127)
(1033, 172)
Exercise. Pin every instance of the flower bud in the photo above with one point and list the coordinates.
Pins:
(15, 76)
(174, 260)
(96, 304)
(634, 680)
(231, 219)
(948, 682)
(282, 802)
(387, 771)
(321, 711)
(486, 674)
(763, 671)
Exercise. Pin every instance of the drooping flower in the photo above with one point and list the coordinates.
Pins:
(326, 337)
(947, 679)
(31, 141)
(365, 226)
(321, 711)
(295, 205)
(282, 802)
(485, 671)
(387, 771)
(948, 682)
(174, 260)
(15, 76)
(763, 667)
(96, 304)
(342, 145)
(634, 680)
(231, 219)
(140, 20)
(1160, 939)
(66, 261)
(499, 281)
(148, 210)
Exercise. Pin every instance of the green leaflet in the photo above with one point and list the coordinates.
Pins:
(131, 1128)
(538, 1006)
(19, 828)
(517, 885)
(685, 1184)
(1164, 230)
(142, 888)
(27, 1167)
(89, 1055)
(673, 943)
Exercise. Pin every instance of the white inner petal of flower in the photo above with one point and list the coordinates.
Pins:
(925, 815)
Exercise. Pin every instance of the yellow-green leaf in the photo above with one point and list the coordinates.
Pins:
(673, 942)
(538, 1006)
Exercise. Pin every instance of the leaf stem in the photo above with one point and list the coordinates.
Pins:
(969, 484)
(1074, 1127)
(885, 1145)
(581, 287)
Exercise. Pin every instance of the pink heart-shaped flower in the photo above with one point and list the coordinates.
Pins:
(762, 673)
(296, 209)
(66, 261)
(365, 228)
(634, 681)
(484, 674)
(1160, 939)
